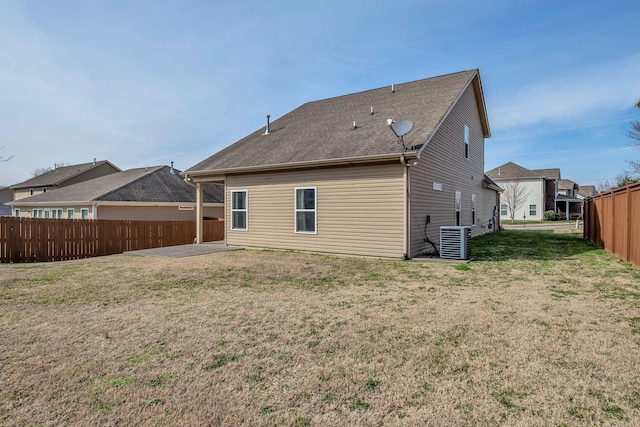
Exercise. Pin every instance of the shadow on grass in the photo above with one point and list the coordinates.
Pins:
(538, 244)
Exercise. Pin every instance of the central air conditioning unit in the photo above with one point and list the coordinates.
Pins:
(455, 242)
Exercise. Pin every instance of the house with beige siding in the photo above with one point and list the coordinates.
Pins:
(62, 176)
(153, 193)
(332, 176)
(539, 188)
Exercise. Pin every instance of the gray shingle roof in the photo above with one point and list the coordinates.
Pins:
(155, 184)
(511, 170)
(567, 184)
(323, 130)
(60, 174)
(587, 190)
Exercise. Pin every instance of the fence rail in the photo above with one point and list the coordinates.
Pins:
(612, 221)
(39, 240)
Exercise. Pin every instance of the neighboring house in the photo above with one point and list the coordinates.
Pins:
(6, 195)
(586, 191)
(569, 203)
(331, 176)
(61, 177)
(155, 193)
(540, 186)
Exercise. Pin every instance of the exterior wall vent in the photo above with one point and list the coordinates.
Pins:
(455, 242)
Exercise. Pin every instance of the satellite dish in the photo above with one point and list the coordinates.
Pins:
(402, 128)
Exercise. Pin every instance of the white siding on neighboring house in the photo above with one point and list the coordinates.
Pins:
(359, 210)
(534, 188)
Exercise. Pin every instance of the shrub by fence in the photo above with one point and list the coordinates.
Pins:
(38, 240)
(612, 221)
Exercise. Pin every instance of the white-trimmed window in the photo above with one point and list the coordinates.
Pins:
(473, 209)
(503, 210)
(84, 213)
(466, 141)
(47, 213)
(44, 189)
(533, 209)
(16, 212)
(306, 210)
(71, 214)
(239, 209)
(56, 213)
(37, 213)
(458, 207)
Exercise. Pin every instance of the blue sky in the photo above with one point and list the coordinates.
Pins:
(144, 83)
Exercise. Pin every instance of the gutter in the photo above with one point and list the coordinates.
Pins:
(101, 203)
(301, 165)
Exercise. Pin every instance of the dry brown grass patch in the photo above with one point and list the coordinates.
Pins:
(265, 338)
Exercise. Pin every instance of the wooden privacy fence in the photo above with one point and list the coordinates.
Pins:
(612, 221)
(38, 240)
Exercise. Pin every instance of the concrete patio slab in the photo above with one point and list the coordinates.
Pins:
(182, 251)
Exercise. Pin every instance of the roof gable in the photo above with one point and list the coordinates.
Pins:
(61, 174)
(510, 171)
(154, 184)
(323, 130)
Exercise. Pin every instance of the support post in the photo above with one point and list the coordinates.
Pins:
(199, 216)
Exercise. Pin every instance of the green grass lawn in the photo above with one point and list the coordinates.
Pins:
(541, 329)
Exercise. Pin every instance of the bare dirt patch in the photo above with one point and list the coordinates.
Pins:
(282, 338)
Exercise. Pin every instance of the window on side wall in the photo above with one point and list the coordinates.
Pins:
(306, 210)
(70, 214)
(473, 209)
(458, 207)
(16, 212)
(503, 210)
(84, 213)
(533, 210)
(239, 209)
(466, 141)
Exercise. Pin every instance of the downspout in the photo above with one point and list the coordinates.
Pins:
(199, 216)
(407, 210)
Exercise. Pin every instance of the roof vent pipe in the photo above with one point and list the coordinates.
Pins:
(94, 160)
(371, 110)
(172, 171)
(354, 125)
(267, 131)
(392, 89)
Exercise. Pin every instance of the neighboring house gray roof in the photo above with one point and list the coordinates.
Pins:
(587, 190)
(154, 184)
(60, 174)
(323, 130)
(512, 171)
(567, 184)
